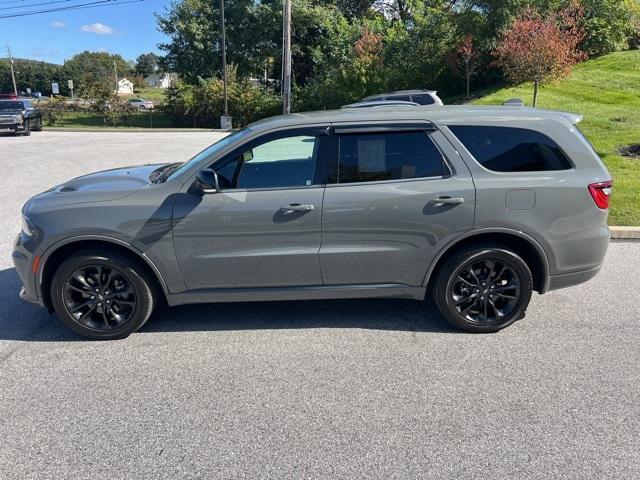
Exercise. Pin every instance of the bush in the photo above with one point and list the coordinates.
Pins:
(202, 105)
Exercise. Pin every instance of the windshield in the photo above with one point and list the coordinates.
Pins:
(210, 151)
(10, 105)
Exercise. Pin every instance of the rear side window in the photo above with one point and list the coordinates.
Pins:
(424, 99)
(388, 156)
(508, 149)
(403, 98)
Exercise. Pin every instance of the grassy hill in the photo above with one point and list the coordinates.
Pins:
(606, 91)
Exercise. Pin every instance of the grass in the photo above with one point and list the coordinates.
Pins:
(606, 91)
(155, 95)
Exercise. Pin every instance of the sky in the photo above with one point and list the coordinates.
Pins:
(128, 29)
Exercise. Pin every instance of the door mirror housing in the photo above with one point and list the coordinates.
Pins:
(208, 181)
(247, 156)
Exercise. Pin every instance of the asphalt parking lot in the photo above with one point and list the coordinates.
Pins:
(330, 389)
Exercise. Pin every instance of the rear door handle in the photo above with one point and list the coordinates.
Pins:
(440, 201)
(296, 207)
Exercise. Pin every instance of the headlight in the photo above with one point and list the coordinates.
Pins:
(17, 118)
(27, 229)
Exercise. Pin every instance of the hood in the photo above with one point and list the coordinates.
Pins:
(97, 187)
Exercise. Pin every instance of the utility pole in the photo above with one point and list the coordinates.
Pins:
(286, 58)
(224, 58)
(115, 73)
(13, 75)
(225, 119)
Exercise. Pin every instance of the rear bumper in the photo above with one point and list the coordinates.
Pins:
(556, 282)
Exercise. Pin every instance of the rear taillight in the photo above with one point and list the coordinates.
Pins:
(601, 193)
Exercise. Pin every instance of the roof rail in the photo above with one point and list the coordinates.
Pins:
(513, 102)
(382, 103)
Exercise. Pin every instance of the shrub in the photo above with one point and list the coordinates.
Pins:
(202, 105)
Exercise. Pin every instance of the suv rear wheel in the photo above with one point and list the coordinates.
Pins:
(102, 295)
(484, 289)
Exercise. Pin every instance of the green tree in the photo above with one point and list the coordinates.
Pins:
(194, 48)
(146, 64)
(608, 25)
(93, 73)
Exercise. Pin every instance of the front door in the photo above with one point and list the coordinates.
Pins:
(392, 202)
(263, 229)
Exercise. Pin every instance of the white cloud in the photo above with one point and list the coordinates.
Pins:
(58, 24)
(98, 28)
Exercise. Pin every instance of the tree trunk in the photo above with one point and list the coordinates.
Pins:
(535, 92)
(467, 75)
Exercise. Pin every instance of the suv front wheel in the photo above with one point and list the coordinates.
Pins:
(102, 295)
(483, 290)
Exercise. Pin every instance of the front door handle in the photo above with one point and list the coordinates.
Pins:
(296, 207)
(440, 201)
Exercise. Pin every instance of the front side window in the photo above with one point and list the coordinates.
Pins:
(282, 162)
(388, 156)
(509, 149)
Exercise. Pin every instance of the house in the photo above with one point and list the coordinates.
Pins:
(125, 87)
(160, 80)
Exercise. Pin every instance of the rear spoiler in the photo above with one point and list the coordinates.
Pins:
(572, 118)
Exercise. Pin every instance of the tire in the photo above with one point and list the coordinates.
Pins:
(38, 127)
(494, 277)
(96, 310)
(27, 128)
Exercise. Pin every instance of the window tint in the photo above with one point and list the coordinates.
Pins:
(283, 162)
(388, 156)
(507, 149)
(423, 99)
(374, 99)
(404, 98)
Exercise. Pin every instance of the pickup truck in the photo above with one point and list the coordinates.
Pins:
(20, 116)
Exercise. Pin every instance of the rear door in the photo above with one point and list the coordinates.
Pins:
(396, 195)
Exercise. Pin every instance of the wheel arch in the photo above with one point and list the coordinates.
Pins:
(56, 254)
(524, 245)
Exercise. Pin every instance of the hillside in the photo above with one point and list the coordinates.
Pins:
(606, 91)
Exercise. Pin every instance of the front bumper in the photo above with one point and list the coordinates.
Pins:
(16, 127)
(23, 261)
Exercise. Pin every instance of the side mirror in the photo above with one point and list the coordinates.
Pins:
(208, 179)
(247, 156)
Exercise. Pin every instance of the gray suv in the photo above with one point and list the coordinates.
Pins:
(480, 206)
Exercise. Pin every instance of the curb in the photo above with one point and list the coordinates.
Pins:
(625, 233)
(135, 130)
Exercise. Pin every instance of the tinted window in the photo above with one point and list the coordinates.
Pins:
(374, 99)
(283, 162)
(388, 156)
(506, 149)
(404, 98)
(424, 99)
(11, 106)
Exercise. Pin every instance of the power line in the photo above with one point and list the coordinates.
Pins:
(98, 3)
(43, 4)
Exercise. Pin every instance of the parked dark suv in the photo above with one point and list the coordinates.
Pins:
(20, 116)
(479, 205)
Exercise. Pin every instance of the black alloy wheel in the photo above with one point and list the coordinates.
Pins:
(99, 297)
(102, 294)
(483, 289)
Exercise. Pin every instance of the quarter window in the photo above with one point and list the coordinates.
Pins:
(508, 149)
(388, 156)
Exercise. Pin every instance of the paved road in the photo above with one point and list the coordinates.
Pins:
(333, 389)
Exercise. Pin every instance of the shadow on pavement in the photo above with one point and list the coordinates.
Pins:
(23, 321)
